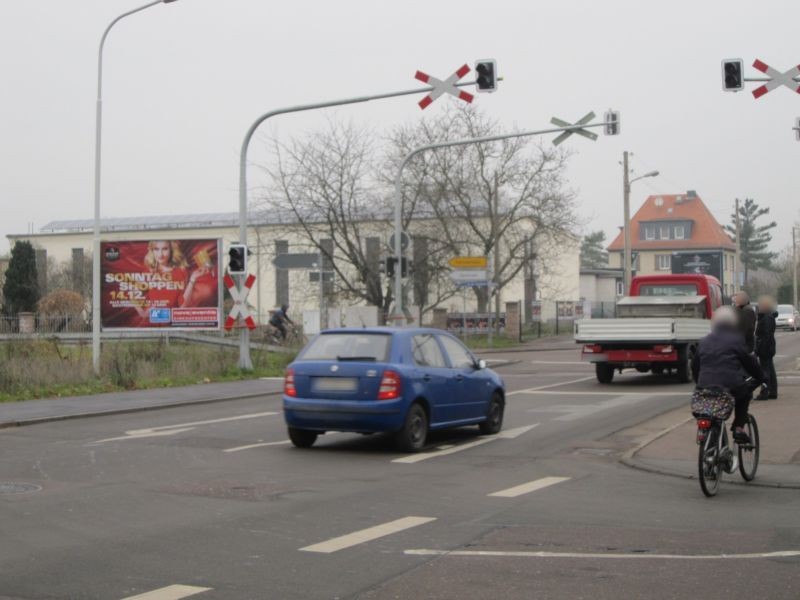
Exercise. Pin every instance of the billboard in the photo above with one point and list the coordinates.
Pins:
(160, 284)
(702, 263)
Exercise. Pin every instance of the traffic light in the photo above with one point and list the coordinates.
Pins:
(237, 259)
(733, 75)
(389, 268)
(797, 129)
(613, 122)
(389, 263)
(487, 75)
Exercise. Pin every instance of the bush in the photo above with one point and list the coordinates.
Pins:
(61, 303)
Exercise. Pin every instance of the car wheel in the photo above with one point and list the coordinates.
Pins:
(412, 437)
(604, 372)
(302, 438)
(494, 417)
(684, 369)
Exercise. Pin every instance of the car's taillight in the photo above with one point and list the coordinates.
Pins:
(704, 423)
(390, 386)
(663, 349)
(288, 384)
(592, 348)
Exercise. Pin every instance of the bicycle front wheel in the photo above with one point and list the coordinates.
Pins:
(709, 466)
(749, 453)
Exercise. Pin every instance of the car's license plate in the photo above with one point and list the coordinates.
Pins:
(334, 384)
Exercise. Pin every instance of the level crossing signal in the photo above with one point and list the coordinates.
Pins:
(733, 75)
(237, 259)
(613, 122)
(486, 79)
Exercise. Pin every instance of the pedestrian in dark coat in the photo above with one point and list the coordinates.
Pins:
(766, 346)
(747, 318)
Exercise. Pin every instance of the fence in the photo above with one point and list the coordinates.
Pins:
(47, 324)
(557, 316)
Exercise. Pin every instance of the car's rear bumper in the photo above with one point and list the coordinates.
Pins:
(343, 415)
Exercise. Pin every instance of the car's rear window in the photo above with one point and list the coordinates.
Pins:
(785, 310)
(349, 346)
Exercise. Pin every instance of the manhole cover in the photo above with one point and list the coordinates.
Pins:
(18, 488)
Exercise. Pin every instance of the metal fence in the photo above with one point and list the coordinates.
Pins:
(48, 324)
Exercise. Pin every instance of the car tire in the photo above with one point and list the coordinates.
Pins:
(302, 438)
(414, 434)
(494, 416)
(604, 372)
(683, 371)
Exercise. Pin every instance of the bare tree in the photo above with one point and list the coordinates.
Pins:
(506, 200)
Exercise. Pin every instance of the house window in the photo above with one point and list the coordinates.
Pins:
(620, 288)
(664, 232)
(680, 232)
(649, 232)
(663, 262)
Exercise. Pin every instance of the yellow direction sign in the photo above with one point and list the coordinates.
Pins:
(469, 262)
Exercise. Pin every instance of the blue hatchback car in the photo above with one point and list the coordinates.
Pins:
(404, 381)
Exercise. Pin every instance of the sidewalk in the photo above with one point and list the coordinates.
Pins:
(30, 412)
(674, 452)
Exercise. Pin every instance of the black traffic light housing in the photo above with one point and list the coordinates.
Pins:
(613, 122)
(486, 78)
(388, 266)
(733, 75)
(237, 259)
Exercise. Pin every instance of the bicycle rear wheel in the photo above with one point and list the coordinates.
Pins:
(748, 454)
(709, 466)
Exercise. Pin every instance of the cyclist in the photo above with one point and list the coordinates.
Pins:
(279, 317)
(722, 361)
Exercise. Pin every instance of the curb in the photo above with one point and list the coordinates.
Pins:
(129, 410)
(628, 459)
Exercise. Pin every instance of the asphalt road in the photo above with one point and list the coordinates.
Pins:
(211, 502)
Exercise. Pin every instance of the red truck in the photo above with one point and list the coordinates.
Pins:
(656, 328)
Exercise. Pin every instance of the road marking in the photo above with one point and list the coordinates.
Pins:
(578, 411)
(547, 387)
(527, 488)
(367, 535)
(259, 445)
(559, 362)
(648, 394)
(179, 427)
(637, 555)
(271, 378)
(171, 592)
(507, 434)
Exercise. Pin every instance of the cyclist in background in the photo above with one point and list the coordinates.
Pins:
(279, 317)
(722, 360)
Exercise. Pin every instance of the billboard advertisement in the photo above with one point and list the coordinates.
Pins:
(702, 263)
(160, 284)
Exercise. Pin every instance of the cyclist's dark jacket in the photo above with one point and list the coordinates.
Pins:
(722, 360)
(278, 318)
(765, 335)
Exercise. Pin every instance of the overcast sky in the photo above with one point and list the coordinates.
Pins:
(183, 82)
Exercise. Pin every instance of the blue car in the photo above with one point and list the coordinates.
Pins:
(381, 379)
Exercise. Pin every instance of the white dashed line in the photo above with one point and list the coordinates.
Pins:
(367, 535)
(637, 555)
(547, 387)
(508, 434)
(258, 445)
(171, 592)
(527, 488)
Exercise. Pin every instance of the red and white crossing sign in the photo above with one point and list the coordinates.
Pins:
(444, 87)
(778, 79)
(239, 302)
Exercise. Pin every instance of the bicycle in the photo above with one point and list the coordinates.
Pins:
(293, 337)
(715, 454)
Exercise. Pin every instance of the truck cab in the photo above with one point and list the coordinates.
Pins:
(656, 328)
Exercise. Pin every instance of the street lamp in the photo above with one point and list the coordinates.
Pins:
(626, 255)
(96, 229)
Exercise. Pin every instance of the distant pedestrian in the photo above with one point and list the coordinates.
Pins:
(747, 318)
(766, 346)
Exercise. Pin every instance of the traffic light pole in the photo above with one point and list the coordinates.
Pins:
(794, 267)
(398, 317)
(244, 340)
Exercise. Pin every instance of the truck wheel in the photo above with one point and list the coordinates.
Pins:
(683, 369)
(604, 372)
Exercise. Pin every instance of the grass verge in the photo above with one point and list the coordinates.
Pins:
(46, 368)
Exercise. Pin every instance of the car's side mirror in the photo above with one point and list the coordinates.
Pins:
(481, 364)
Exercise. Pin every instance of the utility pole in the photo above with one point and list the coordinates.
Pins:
(737, 284)
(794, 267)
(626, 255)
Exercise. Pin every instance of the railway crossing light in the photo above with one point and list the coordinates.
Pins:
(733, 75)
(797, 129)
(487, 75)
(237, 259)
(613, 122)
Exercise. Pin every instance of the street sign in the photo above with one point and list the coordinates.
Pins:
(469, 262)
(778, 79)
(404, 241)
(296, 261)
(239, 302)
(313, 276)
(462, 276)
(583, 121)
(443, 87)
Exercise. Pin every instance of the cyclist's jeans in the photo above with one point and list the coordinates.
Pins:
(742, 396)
